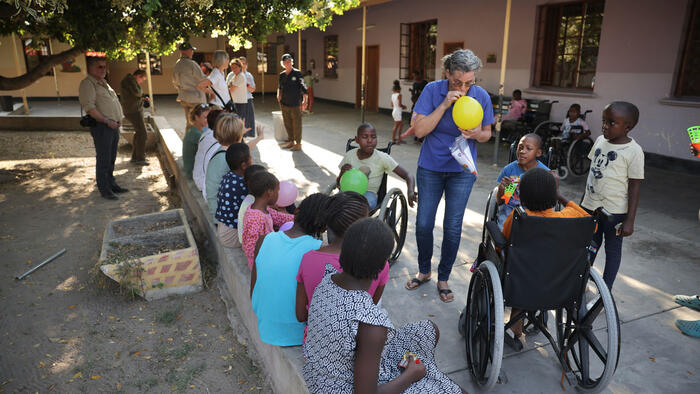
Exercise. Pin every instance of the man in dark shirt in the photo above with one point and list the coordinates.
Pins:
(291, 94)
(132, 103)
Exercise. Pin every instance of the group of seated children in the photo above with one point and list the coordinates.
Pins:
(204, 148)
(374, 164)
(613, 183)
(336, 288)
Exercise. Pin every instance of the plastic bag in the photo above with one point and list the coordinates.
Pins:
(461, 152)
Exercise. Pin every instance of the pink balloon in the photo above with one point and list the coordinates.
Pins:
(287, 195)
(286, 226)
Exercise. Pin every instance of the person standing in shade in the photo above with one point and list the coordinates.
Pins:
(237, 85)
(190, 81)
(132, 103)
(250, 111)
(99, 100)
(292, 95)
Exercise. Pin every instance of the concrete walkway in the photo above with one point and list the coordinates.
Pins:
(659, 260)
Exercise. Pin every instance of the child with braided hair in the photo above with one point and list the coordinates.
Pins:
(277, 259)
(343, 210)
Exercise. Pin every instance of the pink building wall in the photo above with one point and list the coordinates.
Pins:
(637, 61)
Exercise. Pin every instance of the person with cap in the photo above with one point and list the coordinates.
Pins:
(99, 100)
(132, 103)
(190, 81)
(291, 94)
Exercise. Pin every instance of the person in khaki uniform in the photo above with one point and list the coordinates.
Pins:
(100, 101)
(189, 80)
(132, 102)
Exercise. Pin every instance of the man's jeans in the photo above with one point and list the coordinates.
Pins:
(106, 142)
(431, 185)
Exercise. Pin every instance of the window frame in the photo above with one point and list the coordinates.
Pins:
(156, 63)
(549, 54)
(684, 65)
(328, 72)
(46, 44)
(406, 58)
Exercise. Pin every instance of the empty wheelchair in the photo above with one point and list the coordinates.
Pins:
(543, 268)
(392, 208)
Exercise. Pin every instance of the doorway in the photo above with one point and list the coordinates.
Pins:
(371, 78)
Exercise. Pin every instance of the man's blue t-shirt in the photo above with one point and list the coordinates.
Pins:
(435, 152)
(511, 170)
(232, 191)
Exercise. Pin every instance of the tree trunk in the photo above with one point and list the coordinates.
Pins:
(39, 71)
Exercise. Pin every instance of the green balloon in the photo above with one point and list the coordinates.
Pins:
(353, 180)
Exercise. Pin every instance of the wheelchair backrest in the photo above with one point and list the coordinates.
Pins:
(546, 261)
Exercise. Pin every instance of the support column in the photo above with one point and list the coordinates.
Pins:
(363, 82)
(150, 85)
(504, 58)
(19, 72)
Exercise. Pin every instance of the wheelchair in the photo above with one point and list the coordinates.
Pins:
(537, 112)
(392, 208)
(570, 156)
(516, 273)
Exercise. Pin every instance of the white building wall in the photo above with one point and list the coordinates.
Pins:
(639, 52)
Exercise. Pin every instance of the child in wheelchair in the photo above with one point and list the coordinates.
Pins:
(529, 151)
(539, 193)
(374, 163)
(574, 126)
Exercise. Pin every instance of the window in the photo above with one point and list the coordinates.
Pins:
(688, 81)
(262, 59)
(330, 54)
(267, 58)
(156, 63)
(568, 36)
(36, 49)
(417, 49)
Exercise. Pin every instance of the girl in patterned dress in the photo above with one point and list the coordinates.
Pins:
(261, 218)
(351, 345)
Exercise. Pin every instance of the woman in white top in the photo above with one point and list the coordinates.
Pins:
(397, 112)
(218, 82)
(237, 84)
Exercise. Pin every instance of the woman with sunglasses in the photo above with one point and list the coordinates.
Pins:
(438, 172)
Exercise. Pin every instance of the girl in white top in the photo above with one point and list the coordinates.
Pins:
(218, 82)
(573, 118)
(397, 112)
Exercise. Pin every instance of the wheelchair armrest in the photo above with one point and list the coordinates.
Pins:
(496, 235)
(601, 212)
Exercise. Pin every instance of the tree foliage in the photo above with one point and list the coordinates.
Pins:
(124, 28)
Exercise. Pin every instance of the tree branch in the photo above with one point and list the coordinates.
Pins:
(37, 72)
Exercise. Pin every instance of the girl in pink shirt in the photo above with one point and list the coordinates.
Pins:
(343, 210)
(261, 218)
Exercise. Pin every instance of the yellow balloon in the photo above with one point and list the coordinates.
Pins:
(467, 113)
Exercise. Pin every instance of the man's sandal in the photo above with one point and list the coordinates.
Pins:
(446, 293)
(692, 302)
(417, 283)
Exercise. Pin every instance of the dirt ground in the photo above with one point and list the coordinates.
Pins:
(65, 328)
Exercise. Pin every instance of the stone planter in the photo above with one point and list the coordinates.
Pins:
(155, 254)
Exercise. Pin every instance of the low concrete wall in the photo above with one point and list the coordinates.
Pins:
(282, 365)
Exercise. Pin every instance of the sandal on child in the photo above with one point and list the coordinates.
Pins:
(689, 328)
(692, 302)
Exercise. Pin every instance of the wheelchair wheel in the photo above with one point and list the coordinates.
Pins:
(547, 129)
(394, 213)
(484, 325)
(577, 159)
(589, 338)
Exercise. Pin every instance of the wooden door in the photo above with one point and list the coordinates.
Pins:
(371, 78)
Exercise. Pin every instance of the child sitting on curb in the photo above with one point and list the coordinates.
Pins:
(231, 193)
(260, 217)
